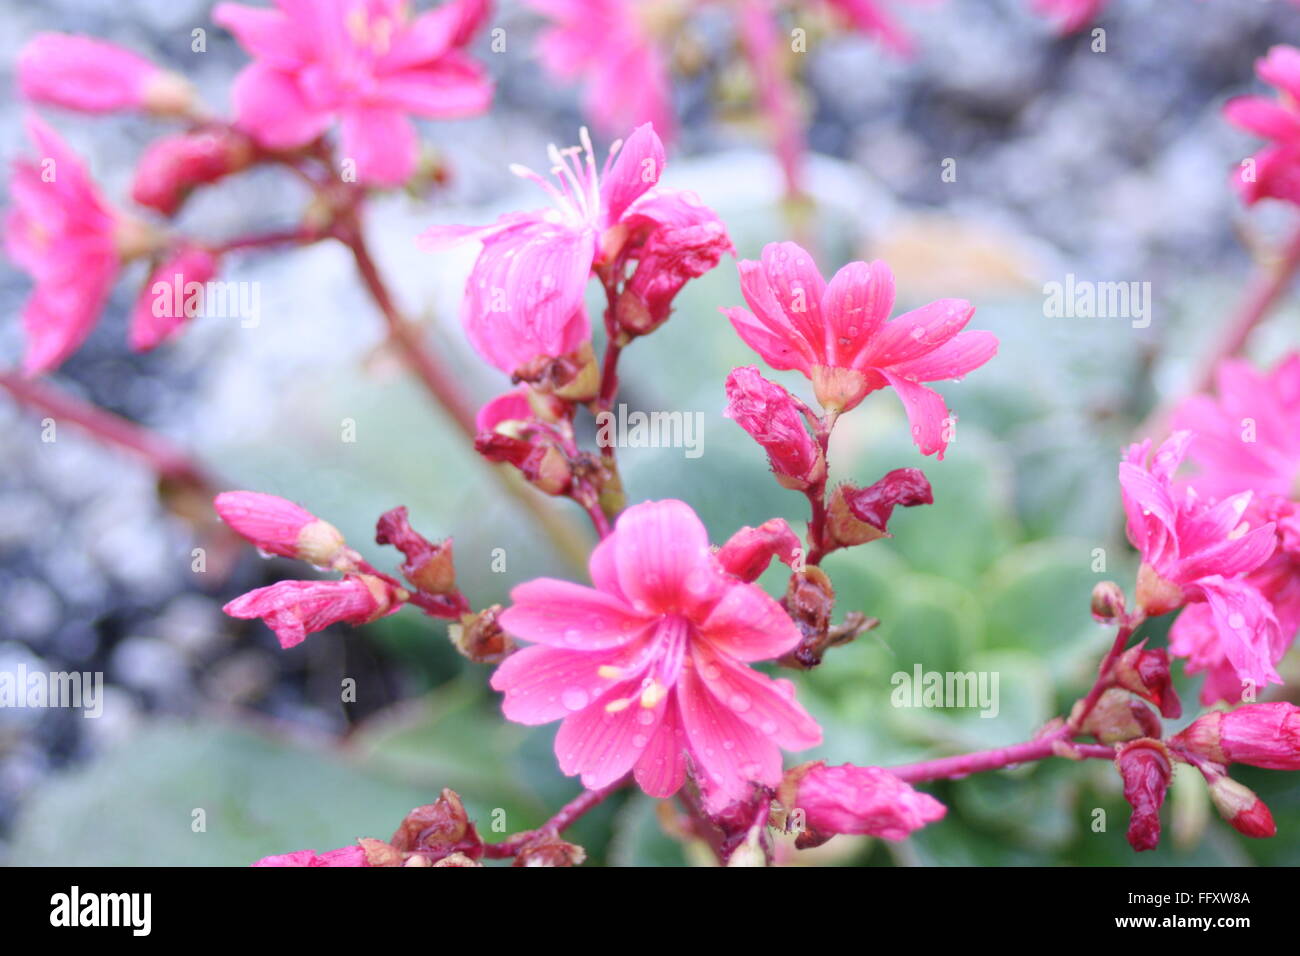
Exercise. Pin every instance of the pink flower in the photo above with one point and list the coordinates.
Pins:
(175, 164)
(523, 305)
(69, 240)
(648, 669)
(79, 73)
(1070, 16)
(168, 298)
(1146, 771)
(861, 800)
(838, 336)
(773, 419)
(610, 47)
(344, 856)
(294, 609)
(1261, 735)
(1195, 551)
(278, 526)
(1273, 172)
(870, 18)
(366, 63)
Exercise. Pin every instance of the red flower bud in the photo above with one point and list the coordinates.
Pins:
(860, 515)
(1239, 805)
(174, 165)
(428, 566)
(1145, 768)
(773, 419)
(1146, 673)
(749, 551)
(1261, 735)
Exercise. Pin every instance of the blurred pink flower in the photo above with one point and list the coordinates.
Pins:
(609, 46)
(80, 73)
(871, 18)
(173, 165)
(167, 300)
(366, 63)
(1195, 551)
(649, 667)
(344, 856)
(63, 233)
(1273, 172)
(278, 526)
(861, 800)
(524, 298)
(838, 336)
(294, 609)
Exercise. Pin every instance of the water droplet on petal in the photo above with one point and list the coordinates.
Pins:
(575, 698)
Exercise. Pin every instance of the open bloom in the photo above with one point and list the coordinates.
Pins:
(80, 73)
(1194, 551)
(366, 63)
(836, 333)
(861, 800)
(523, 306)
(610, 46)
(63, 233)
(1273, 172)
(648, 668)
(294, 609)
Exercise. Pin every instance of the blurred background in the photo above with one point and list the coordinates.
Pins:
(1111, 166)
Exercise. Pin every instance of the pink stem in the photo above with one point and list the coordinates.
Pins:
(168, 461)
(568, 814)
(947, 768)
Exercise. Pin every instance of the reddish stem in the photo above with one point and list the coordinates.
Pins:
(947, 768)
(568, 814)
(167, 460)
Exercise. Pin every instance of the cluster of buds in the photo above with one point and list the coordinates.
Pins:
(294, 609)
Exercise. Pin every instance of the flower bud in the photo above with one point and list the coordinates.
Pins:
(92, 76)
(773, 419)
(1146, 673)
(438, 830)
(670, 255)
(860, 515)
(173, 165)
(479, 637)
(809, 600)
(430, 567)
(278, 526)
(550, 851)
(1146, 771)
(168, 298)
(451, 859)
(858, 800)
(1107, 602)
(294, 609)
(1244, 811)
(379, 853)
(1118, 717)
(1261, 735)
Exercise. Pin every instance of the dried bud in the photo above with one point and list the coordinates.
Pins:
(749, 551)
(860, 515)
(379, 853)
(439, 829)
(1239, 805)
(1118, 717)
(428, 566)
(451, 859)
(574, 377)
(479, 637)
(809, 600)
(550, 851)
(1146, 771)
(1261, 735)
(1146, 673)
(1107, 602)
(773, 419)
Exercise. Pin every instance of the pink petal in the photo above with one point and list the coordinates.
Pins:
(381, 142)
(601, 744)
(568, 615)
(663, 558)
(916, 333)
(781, 352)
(1281, 69)
(926, 412)
(856, 303)
(1263, 117)
(757, 699)
(1247, 628)
(270, 107)
(749, 625)
(661, 770)
(636, 168)
(268, 35)
(543, 683)
(955, 358)
(729, 754)
(431, 35)
(455, 86)
(797, 288)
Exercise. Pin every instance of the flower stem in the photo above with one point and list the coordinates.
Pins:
(948, 768)
(168, 461)
(567, 815)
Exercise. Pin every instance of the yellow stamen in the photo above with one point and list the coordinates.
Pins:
(614, 706)
(609, 672)
(651, 696)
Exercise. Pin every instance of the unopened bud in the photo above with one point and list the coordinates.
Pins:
(1118, 717)
(1155, 595)
(1146, 771)
(1107, 602)
(1146, 673)
(1261, 735)
(1244, 811)
(439, 829)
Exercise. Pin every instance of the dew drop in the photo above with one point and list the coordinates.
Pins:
(575, 698)
(1236, 622)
